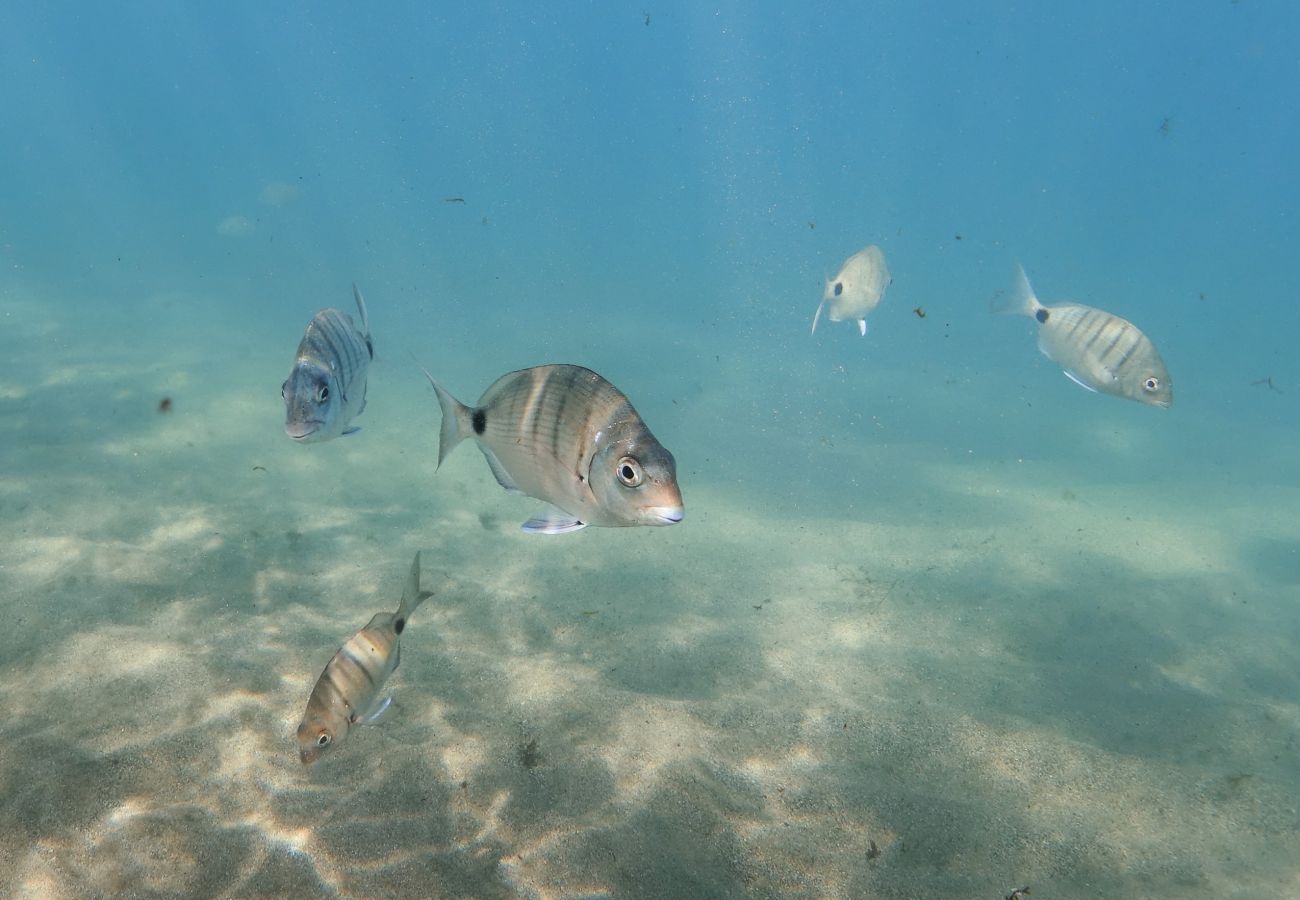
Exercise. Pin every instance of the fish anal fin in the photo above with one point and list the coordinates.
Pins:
(862, 327)
(499, 471)
(817, 315)
(377, 713)
(1079, 381)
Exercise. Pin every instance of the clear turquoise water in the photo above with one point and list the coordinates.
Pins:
(930, 597)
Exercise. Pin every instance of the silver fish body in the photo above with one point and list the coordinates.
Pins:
(351, 689)
(857, 289)
(326, 389)
(1097, 349)
(565, 435)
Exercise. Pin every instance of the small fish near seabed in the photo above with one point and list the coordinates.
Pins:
(566, 436)
(1098, 350)
(326, 388)
(351, 689)
(856, 290)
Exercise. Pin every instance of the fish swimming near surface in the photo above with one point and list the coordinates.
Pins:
(1098, 350)
(856, 290)
(565, 435)
(350, 690)
(326, 388)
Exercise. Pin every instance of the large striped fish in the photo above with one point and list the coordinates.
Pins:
(326, 389)
(567, 436)
(856, 290)
(1098, 350)
(350, 690)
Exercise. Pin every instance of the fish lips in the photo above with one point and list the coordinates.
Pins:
(667, 515)
(302, 431)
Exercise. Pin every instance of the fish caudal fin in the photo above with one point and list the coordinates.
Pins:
(1020, 300)
(457, 419)
(365, 318)
(412, 596)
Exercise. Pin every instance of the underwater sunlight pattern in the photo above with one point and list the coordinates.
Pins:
(924, 619)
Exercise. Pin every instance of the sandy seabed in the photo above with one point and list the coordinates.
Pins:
(979, 675)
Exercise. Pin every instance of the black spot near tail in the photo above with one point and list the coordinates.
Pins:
(399, 625)
(839, 288)
(1041, 315)
(479, 420)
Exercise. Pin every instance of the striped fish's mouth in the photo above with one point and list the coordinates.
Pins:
(667, 515)
(300, 431)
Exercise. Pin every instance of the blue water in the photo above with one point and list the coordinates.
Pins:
(939, 623)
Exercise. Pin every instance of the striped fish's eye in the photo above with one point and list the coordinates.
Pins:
(629, 471)
(323, 740)
(1151, 385)
(322, 393)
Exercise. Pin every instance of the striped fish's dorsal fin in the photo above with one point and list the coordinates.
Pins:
(365, 318)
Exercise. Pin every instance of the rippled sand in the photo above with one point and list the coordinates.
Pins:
(979, 673)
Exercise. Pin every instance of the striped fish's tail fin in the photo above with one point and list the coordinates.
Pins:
(457, 419)
(1020, 300)
(412, 596)
(365, 318)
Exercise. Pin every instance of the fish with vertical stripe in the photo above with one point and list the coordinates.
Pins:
(1098, 350)
(565, 435)
(350, 690)
(326, 389)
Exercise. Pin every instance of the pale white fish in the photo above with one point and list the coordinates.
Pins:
(326, 389)
(351, 689)
(1096, 349)
(565, 435)
(857, 290)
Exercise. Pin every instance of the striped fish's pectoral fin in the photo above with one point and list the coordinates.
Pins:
(377, 712)
(553, 521)
(352, 430)
(499, 471)
(1079, 381)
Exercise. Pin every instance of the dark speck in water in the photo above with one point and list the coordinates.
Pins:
(165, 405)
(530, 757)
